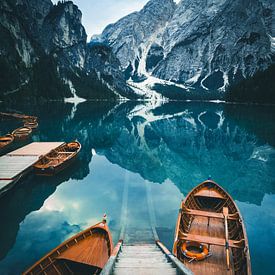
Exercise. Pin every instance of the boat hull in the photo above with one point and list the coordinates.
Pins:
(53, 170)
(201, 220)
(55, 166)
(31, 124)
(22, 133)
(5, 143)
(85, 253)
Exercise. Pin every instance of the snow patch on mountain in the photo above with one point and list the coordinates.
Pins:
(272, 43)
(74, 99)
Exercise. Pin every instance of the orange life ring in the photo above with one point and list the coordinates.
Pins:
(198, 256)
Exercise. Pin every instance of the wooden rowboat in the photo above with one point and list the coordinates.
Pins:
(18, 116)
(31, 124)
(58, 159)
(29, 119)
(210, 236)
(22, 133)
(85, 253)
(5, 141)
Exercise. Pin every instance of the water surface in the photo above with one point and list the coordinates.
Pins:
(145, 159)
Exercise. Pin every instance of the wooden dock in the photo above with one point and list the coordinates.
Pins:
(143, 259)
(18, 163)
(139, 251)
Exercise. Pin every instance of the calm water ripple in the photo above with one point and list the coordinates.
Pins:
(166, 149)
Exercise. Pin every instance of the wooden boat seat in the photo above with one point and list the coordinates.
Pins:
(58, 152)
(53, 158)
(5, 139)
(211, 240)
(209, 214)
(212, 193)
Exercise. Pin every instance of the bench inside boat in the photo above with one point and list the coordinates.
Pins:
(209, 214)
(211, 240)
(210, 227)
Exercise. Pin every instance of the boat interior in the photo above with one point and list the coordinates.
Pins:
(210, 217)
(58, 155)
(86, 253)
(4, 140)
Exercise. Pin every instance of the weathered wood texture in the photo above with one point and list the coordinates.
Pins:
(209, 216)
(142, 259)
(84, 253)
(36, 149)
(58, 159)
(4, 185)
(12, 166)
(214, 264)
(19, 162)
(91, 251)
(5, 142)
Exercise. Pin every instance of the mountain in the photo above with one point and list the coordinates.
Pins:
(132, 35)
(44, 54)
(207, 45)
(190, 50)
(253, 89)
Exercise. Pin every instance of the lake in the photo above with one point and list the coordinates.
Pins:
(137, 163)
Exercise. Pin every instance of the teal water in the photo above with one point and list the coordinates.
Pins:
(141, 153)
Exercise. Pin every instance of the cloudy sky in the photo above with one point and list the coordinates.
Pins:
(97, 14)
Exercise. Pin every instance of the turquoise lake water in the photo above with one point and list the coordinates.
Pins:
(135, 153)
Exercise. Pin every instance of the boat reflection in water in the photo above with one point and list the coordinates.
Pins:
(167, 149)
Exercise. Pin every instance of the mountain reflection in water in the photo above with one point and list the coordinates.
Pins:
(168, 148)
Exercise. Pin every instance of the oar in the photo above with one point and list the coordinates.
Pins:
(225, 213)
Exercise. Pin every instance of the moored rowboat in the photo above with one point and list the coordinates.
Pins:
(22, 133)
(210, 236)
(85, 253)
(18, 116)
(5, 141)
(58, 159)
(30, 119)
(31, 124)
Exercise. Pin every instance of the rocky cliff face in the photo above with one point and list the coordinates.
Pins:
(206, 44)
(131, 36)
(193, 44)
(43, 53)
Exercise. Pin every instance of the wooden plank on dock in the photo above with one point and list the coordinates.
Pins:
(36, 149)
(19, 162)
(6, 185)
(12, 166)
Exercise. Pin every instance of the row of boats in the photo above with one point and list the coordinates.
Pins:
(50, 164)
(210, 238)
(56, 160)
(22, 133)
